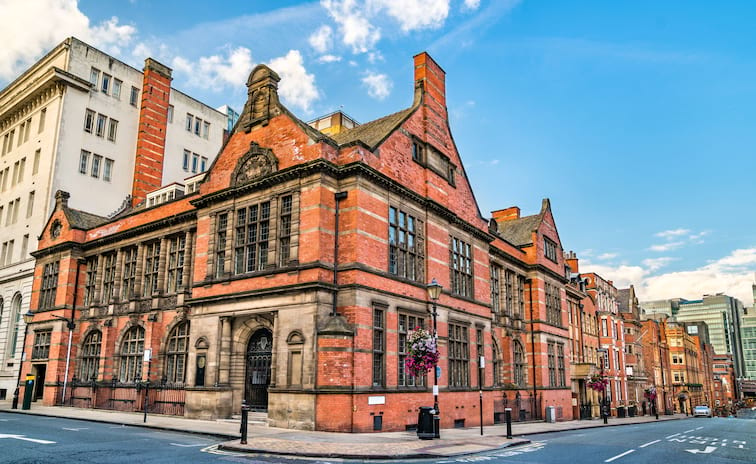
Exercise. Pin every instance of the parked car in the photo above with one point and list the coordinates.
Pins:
(701, 410)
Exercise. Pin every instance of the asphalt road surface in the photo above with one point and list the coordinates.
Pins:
(37, 439)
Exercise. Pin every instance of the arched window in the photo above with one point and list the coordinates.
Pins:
(15, 323)
(519, 364)
(90, 356)
(175, 359)
(132, 350)
(496, 364)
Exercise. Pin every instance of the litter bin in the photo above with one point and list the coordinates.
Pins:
(523, 415)
(620, 411)
(550, 414)
(631, 411)
(425, 423)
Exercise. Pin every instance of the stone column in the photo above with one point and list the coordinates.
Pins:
(100, 277)
(186, 278)
(164, 243)
(225, 351)
(118, 276)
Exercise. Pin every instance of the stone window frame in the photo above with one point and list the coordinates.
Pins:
(378, 347)
(42, 342)
(90, 284)
(412, 228)
(176, 262)
(131, 353)
(177, 353)
(109, 266)
(403, 378)
(150, 272)
(519, 363)
(129, 272)
(551, 353)
(458, 354)
(250, 252)
(89, 356)
(550, 249)
(461, 267)
(49, 288)
(295, 342)
(496, 272)
(224, 244)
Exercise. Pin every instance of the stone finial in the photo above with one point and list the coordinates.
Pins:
(61, 199)
(262, 97)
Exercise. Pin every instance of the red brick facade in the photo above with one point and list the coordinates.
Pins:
(277, 317)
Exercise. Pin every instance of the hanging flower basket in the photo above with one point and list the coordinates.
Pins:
(422, 352)
(597, 383)
(650, 393)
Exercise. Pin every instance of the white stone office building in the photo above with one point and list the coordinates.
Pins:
(79, 120)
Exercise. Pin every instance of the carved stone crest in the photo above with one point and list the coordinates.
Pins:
(255, 164)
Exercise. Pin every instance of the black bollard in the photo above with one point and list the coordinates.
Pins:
(244, 416)
(508, 413)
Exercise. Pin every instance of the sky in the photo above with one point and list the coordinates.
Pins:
(635, 118)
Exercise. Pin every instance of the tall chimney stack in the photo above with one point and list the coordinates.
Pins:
(153, 122)
(432, 80)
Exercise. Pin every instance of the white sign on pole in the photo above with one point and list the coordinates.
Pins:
(482, 361)
(148, 355)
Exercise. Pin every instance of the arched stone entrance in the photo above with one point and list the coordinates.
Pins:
(258, 370)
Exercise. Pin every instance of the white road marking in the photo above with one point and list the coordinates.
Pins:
(709, 449)
(23, 437)
(650, 443)
(699, 428)
(213, 449)
(620, 455)
(187, 446)
(688, 430)
(76, 430)
(672, 435)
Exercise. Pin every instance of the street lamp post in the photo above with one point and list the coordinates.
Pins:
(28, 318)
(434, 292)
(71, 325)
(603, 392)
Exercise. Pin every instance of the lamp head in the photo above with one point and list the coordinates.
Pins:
(434, 289)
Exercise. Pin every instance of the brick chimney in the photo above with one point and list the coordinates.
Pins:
(153, 121)
(572, 261)
(432, 82)
(507, 214)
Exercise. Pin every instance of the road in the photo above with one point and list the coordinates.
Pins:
(27, 440)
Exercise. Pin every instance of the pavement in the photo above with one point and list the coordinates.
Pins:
(380, 445)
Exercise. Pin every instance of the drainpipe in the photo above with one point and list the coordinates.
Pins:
(529, 281)
(338, 196)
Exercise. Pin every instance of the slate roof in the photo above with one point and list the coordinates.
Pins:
(519, 232)
(374, 132)
(82, 220)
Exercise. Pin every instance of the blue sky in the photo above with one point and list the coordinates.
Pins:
(635, 118)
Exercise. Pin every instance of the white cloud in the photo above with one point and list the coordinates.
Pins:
(297, 86)
(322, 39)
(329, 59)
(215, 72)
(731, 274)
(607, 256)
(472, 4)
(671, 234)
(654, 264)
(356, 29)
(666, 246)
(31, 29)
(415, 14)
(698, 238)
(378, 85)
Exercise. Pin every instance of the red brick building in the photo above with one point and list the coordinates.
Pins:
(294, 275)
